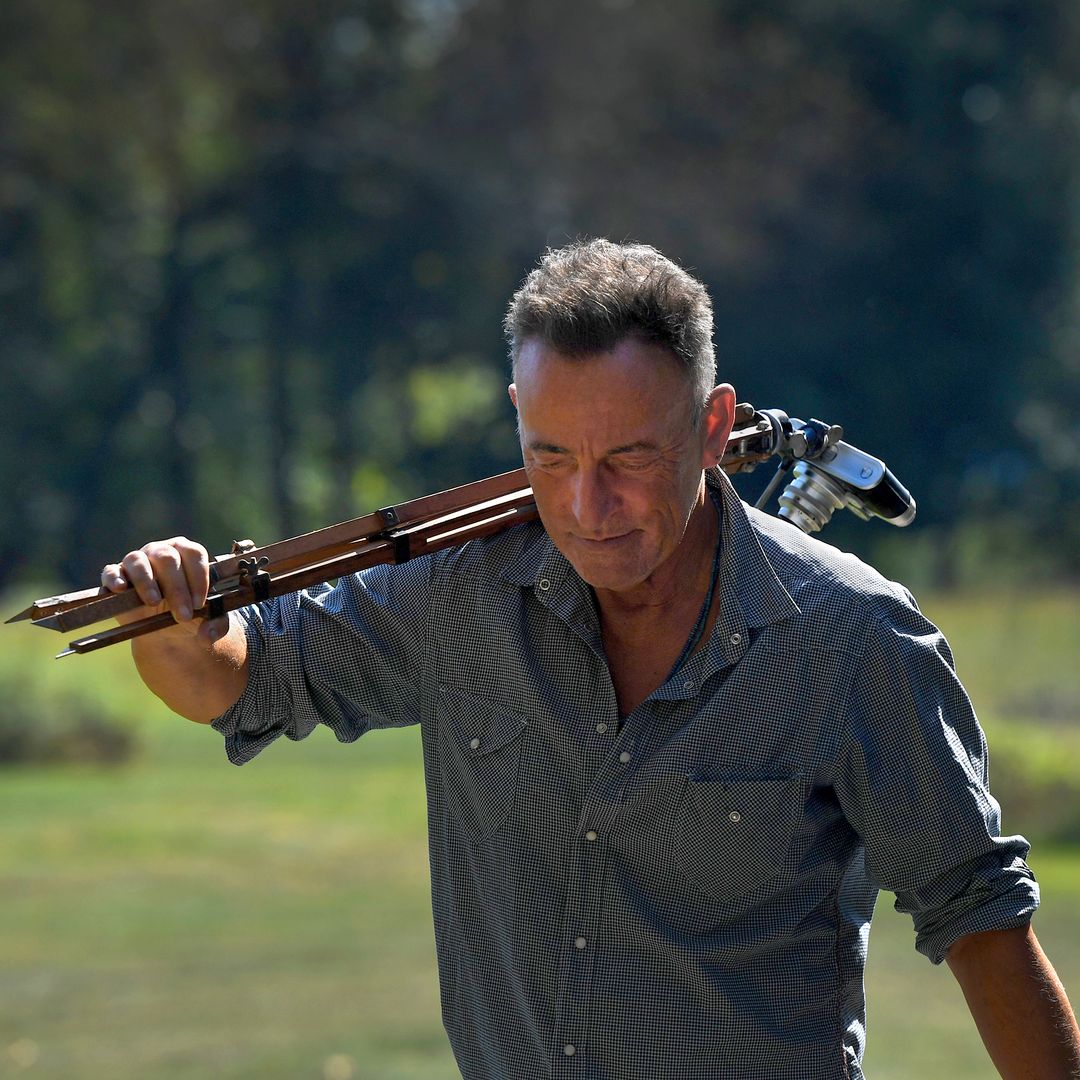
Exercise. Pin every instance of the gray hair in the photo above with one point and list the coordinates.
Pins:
(592, 294)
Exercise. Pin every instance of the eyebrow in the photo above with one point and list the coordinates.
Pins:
(629, 448)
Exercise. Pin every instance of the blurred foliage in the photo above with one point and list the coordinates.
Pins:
(1015, 651)
(41, 725)
(53, 712)
(256, 254)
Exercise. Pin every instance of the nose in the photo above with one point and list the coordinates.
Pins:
(593, 501)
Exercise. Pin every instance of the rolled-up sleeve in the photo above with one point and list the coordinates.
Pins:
(350, 657)
(913, 782)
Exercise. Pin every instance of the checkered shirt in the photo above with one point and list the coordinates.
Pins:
(684, 893)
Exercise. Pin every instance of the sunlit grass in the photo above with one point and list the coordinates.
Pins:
(181, 918)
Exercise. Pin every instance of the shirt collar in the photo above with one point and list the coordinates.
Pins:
(751, 592)
(748, 579)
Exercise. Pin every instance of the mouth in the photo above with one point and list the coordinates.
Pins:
(599, 543)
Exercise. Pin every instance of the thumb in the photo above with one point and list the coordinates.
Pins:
(214, 629)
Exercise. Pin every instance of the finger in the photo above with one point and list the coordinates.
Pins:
(137, 570)
(214, 629)
(195, 561)
(168, 570)
(112, 577)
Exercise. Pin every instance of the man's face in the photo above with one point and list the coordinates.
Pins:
(612, 457)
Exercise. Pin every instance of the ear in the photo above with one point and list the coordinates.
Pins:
(512, 391)
(717, 423)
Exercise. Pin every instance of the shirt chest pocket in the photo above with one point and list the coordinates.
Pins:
(734, 836)
(480, 744)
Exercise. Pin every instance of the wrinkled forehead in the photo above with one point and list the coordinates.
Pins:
(635, 392)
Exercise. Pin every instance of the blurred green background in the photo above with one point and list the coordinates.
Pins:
(253, 261)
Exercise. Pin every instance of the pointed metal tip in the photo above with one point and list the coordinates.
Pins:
(22, 615)
(66, 652)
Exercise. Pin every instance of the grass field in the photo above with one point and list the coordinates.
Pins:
(180, 918)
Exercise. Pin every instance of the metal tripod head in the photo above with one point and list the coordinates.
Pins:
(828, 474)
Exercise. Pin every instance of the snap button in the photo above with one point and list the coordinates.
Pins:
(590, 835)
(474, 744)
(734, 817)
(601, 728)
(544, 584)
(624, 757)
(735, 638)
(569, 1050)
(580, 943)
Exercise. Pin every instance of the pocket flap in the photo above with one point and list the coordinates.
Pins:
(480, 726)
(756, 806)
(480, 743)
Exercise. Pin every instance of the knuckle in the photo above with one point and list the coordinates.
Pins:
(190, 549)
(166, 557)
(133, 565)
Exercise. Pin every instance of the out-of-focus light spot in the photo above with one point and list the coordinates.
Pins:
(350, 36)
(981, 103)
(1067, 346)
(23, 1053)
(370, 486)
(429, 269)
(243, 33)
(339, 1067)
(156, 409)
(49, 511)
(194, 432)
(950, 30)
(456, 393)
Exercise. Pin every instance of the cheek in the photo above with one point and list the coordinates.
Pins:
(650, 508)
(672, 504)
(549, 495)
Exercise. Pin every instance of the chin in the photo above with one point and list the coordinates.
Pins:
(612, 583)
(614, 575)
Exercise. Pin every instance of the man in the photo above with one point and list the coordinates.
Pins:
(673, 747)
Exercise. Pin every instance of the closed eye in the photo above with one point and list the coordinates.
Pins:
(545, 461)
(633, 458)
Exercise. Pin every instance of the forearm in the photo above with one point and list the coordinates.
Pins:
(1018, 1004)
(197, 678)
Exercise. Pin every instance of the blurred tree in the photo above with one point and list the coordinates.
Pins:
(220, 242)
(256, 254)
(876, 195)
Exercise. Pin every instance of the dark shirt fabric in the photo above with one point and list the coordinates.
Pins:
(684, 892)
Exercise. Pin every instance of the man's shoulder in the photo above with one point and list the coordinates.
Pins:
(817, 573)
(515, 556)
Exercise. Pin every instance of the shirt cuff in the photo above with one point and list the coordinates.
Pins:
(250, 725)
(1000, 892)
